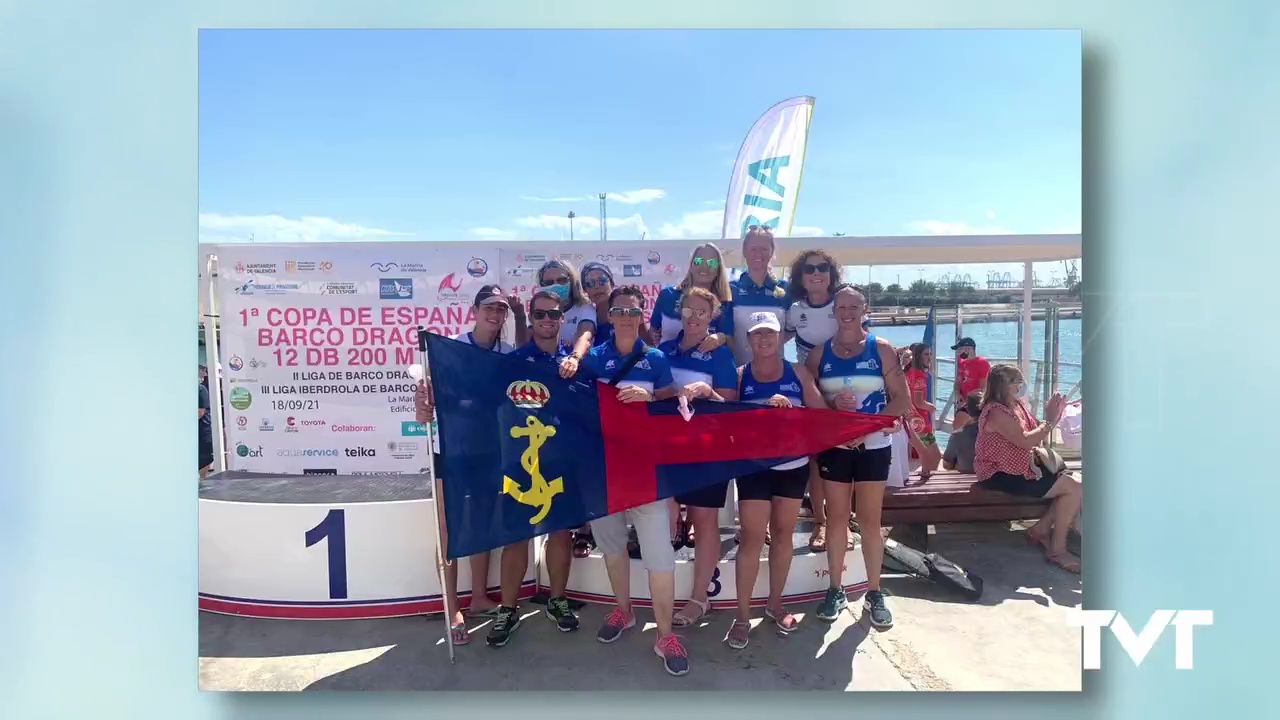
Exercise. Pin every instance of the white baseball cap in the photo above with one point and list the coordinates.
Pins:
(762, 321)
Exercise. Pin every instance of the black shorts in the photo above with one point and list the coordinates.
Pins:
(711, 496)
(1020, 485)
(769, 484)
(843, 465)
(206, 456)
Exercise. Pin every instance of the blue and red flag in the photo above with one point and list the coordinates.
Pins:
(524, 452)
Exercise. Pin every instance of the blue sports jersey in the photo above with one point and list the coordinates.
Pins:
(715, 368)
(666, 318)
(531, 352)
(757, 392)
(748, 298)
(861, 374)
(652, 372)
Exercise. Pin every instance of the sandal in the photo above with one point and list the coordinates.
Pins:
(460, 634)
(786, 622)
(583, 543)
(684, 618)
(1064, 560)
(684, 534)
(818, 540)
(739, 634)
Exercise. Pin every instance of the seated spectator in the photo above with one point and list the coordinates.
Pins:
(1004, 460)
(961, 445)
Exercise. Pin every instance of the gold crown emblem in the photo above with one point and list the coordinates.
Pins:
(528, 394)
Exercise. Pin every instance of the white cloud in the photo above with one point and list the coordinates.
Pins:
(629, 197)
(535, 198)
(702, 225)
(635, 197)
(944, 227)
(493, 233)
(218, 228)
(586, 227)
(991, 214)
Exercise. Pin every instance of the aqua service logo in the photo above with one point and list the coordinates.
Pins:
(241, 398)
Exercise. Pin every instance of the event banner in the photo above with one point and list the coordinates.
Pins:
(316, 339)
(765, 183)
(650, 266)
(316, 342)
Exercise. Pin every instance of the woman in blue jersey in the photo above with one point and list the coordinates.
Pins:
(756, 290)
(706, 271)
(770, 499)
(597, 285)
(579, 330)
(857, 372)
(712, 376)
(811, 317)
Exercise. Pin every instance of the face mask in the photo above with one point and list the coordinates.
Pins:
(561, 291)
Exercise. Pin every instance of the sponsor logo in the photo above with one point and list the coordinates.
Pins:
(790, 387)
(631, 271)
(353, 428)
(338, 288)
(528, 394)
(319, 471)
(241, 398)
(477, 267)
(242, 422)
(412, 428)
(255, 268)
(653, 258)
(450, 282)
(297, 266)
(235, 363)
(255, 363)
(290, 424)
(403, 450)
(254, 287)
(623, 258)
(313, 423)
(265, 425)
(360, 452)
(384, 267)
(669, 269)
(307, 452)
(245, 451)
(531, 259)
(379, 473)
(514, 272)
(395, 289)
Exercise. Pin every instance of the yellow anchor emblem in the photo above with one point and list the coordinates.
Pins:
(541, 491)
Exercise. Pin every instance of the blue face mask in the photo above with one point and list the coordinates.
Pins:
(562, 291)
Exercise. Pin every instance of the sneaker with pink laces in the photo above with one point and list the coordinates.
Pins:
(614, 624)
(674, 657)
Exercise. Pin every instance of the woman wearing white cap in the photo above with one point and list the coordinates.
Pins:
(770, 499)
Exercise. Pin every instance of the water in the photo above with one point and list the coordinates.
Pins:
(995, 340)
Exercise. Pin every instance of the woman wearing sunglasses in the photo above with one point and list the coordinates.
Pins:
(706, 271)
(559, 277)
(712, 376)
(811, 317)
(597, 283)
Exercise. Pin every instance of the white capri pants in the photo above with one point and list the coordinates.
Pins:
(653, 531)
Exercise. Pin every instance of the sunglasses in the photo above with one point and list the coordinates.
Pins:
(545, 314)
(625, 312)
(562, 280)
(694, 313)
(821, 267)
(712, 263)
(592, 284)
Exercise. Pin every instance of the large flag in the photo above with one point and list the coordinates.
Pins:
(930, 341)
(524, 452)
(766, 177)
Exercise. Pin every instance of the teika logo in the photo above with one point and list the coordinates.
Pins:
(361, 452)
(1138, 645)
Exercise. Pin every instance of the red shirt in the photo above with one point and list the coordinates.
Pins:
(918, 383)
(973, 374)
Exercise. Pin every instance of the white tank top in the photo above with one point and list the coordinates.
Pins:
(812, 325)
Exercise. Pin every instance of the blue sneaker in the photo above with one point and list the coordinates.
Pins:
(877, 612)
(832, 605)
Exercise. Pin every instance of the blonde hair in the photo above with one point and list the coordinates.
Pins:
(703, 294)
(719, 286)
(998, 381)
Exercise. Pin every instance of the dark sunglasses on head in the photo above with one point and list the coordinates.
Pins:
(821, 267)
(627, 312)
(562, 280)
(544, 314)
(592, 284)
(709, 262)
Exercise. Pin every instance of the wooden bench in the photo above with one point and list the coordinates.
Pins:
(951, 497)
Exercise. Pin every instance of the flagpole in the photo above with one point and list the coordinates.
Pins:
(437, 498)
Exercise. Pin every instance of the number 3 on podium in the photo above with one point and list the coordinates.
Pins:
(334, 528)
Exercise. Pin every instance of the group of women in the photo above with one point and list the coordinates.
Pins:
(723, 340)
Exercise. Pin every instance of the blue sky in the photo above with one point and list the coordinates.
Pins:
(465, 135)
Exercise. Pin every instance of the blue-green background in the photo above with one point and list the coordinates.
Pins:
(98, 230)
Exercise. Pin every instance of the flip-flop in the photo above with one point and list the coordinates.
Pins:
(739, 634)
(460, 634)
(490, 613)
(818, 540)
(782, 622)
(682, 619)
